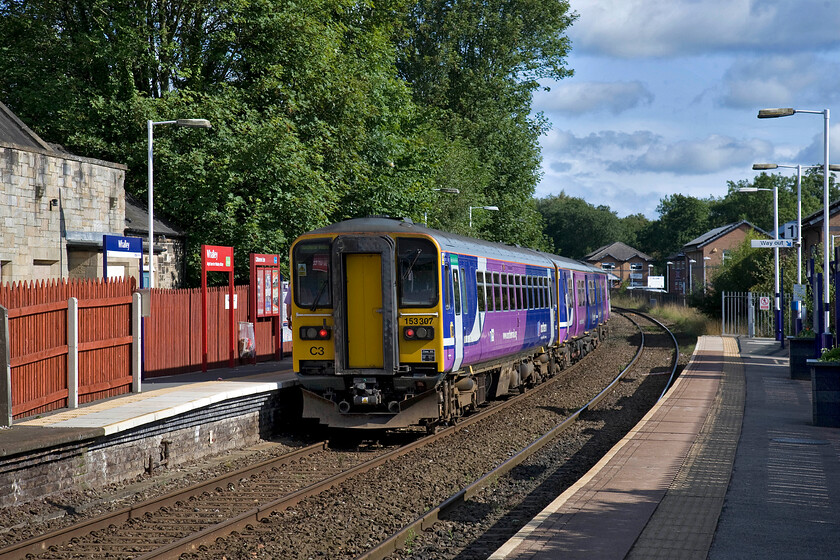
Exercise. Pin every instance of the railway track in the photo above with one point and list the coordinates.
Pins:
(404, 538)
(245, 501)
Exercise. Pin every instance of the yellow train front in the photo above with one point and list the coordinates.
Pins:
(365, 348)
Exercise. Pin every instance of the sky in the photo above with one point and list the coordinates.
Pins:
(665, 97)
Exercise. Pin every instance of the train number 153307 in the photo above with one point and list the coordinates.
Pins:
(418, 320)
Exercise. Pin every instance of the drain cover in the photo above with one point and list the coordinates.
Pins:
(799, 441)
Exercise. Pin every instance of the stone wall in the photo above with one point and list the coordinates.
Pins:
(48, 198)
(147, 449)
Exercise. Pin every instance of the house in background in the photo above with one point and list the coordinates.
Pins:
(692, 268)
(57, 206)
(625, 262)
(812, 230)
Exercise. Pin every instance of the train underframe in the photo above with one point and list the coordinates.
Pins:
(426, 401)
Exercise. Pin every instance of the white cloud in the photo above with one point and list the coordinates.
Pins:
(585, 97)
(692, 157)
(657, 28)
(645, 151)
(780, 81)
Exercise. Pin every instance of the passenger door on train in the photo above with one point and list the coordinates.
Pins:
(364, 278)
(457, 330)
(364, 311)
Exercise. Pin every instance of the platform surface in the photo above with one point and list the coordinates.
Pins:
(728, 465)
(160, 398)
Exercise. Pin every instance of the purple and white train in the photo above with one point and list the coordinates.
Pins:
(396, 325)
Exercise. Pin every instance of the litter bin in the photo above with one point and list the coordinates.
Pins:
(247, 341)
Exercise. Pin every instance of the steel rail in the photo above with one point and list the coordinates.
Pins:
(676, 359)
(397, 540)
(58, 537)
(224, 528)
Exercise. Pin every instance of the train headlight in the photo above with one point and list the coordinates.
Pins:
(314, 333)
(419, 333)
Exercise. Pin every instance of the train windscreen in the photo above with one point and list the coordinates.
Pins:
(418, 272)
(312, 274)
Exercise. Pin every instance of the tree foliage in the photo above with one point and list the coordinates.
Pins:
(321, 110)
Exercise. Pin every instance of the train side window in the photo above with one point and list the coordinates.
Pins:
(465, 302)
(479, 288)
(518, 279)
(497, 291)
(456, 288)
(512, 290)
(505, 300)
(531, 300)
(538, 283)
(544, 282)
(448, 287)
(491, 292)
(570, 287)
(551, 292)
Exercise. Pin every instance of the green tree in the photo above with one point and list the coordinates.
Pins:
(473, 67)
(566, 217)
(309, 113)
(681, 219)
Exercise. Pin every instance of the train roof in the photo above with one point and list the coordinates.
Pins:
(454, 242)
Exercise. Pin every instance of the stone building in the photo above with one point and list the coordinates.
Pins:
(56, 208)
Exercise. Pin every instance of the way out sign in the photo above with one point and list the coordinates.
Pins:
(771, 243)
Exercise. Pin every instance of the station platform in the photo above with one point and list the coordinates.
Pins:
(159, 399)
(727, 466)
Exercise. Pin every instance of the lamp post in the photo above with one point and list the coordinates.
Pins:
(690, 279)
(799, 168)
(704, 272)
(825, 336)
(189, 123)
(668, 276)
(777, 300)
(493, 208)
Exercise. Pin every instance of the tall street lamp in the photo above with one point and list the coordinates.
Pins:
(690, 279)
(799, 168)
(668, 276)
(704, 272)
(189, 123)
(825, 336)
(778, 306)
(493, 208)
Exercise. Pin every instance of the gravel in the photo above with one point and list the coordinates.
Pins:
(357, 515)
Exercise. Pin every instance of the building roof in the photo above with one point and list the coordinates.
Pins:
(13, 131)
(719, 232)
(618, 251)
(817, 217)
(137, 220)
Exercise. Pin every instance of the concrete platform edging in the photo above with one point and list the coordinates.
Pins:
(603, 514)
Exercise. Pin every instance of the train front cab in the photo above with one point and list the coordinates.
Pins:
(382, 362)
